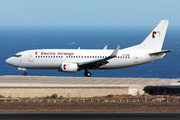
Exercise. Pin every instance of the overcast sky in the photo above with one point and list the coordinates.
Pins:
(88, 12)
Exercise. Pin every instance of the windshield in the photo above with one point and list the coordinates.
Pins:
(17, 56)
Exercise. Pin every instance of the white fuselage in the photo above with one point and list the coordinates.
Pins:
(53, 58)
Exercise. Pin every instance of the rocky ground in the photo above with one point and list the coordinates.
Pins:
(159, 104)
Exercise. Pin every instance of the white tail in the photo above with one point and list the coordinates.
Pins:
(155, 39)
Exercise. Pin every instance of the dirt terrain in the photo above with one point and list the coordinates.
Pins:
(110, 103)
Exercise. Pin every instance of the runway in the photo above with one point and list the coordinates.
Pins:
(42, 86)
(90, 116)
(85, 80)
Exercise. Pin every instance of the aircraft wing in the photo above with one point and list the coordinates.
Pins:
(97, 63)
(163, 51)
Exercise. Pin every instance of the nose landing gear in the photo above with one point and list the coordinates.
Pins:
(24, 69)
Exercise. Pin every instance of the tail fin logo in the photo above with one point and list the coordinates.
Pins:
(155, 32)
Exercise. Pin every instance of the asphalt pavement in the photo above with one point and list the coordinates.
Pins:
(90, 116)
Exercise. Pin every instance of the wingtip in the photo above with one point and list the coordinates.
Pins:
(115, 51)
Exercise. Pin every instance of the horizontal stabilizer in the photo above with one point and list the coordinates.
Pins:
(164, 51)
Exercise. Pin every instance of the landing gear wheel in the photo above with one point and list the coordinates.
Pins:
(25, 73)
(87, 74)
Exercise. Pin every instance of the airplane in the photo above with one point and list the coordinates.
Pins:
(73, 60)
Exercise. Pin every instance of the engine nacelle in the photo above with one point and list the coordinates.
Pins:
(68, 67)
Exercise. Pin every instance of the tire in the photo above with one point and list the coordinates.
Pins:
(25, 74)
(87, 74)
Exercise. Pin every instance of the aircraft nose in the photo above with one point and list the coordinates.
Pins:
(12, 61)
(9, 61)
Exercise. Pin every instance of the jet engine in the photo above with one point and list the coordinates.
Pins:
(68, 67)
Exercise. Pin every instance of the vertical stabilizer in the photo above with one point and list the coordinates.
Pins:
(155, 39)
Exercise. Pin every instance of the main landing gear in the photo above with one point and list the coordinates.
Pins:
(25, 73)
(87, 73)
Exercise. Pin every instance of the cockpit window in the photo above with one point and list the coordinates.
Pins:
(17, 56)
